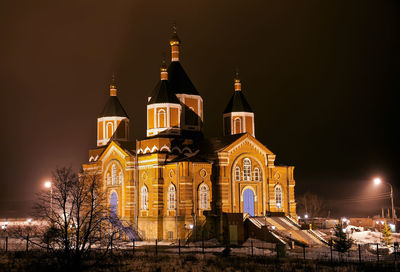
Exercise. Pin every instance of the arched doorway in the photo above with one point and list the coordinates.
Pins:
(114, 204)
(248, 202)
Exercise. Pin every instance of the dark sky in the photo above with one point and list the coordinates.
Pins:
(321, 76)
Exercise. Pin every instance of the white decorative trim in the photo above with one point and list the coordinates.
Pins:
(177, 148)
(155, 148)
(165, 147)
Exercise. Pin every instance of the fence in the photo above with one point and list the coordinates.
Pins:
(358, 253)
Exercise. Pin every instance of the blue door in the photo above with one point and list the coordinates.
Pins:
(114, 204)
(248, 202)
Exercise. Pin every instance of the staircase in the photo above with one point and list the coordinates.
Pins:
(287, 230)
(128, 231)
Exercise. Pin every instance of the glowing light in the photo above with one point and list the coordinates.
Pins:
(29, 220)
(382, 222)
(190, 226)
(299, 217)
(3, 227)
(377, 222)
(377, 181)
(273, 227)
(47, 184)
(306, 216)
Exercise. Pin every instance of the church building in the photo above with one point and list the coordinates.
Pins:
(177, 180)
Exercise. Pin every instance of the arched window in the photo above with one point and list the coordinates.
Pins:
(246, 169)
(161, 119)
(144, 198)
(237, 173)
(110, 129)
(108, 179)
(238, 125)
(171, 197)
(121, 177)
(278, 196)
(114, 174)
(256, 174)
(204, 198)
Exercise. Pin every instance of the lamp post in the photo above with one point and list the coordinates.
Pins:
(378, 181)
(48, 185)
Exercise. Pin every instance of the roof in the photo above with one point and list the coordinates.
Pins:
(163, 94)
(178, 80)
(113, 108)
(238, 103)
(214, 144)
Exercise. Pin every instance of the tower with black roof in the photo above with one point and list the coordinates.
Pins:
(163, 109)
(238, 116)
(113, 121)
(180, 84)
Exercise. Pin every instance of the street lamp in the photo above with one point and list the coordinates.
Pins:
(378, 181)
(48, 185)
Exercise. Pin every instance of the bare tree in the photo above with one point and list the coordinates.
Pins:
(310, 204)
(76, 215)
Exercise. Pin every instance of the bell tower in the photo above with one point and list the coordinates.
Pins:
(183, 88)
(238, 116)
(113, 121)
(163, 108)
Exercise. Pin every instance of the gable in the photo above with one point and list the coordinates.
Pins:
(113, 148)
(246, 139)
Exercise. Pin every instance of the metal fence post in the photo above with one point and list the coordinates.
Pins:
(277, 250)
(156, 247)
(330, 246)
(252, 248)
(27, 242)
(304, 252)
(179, 246)
(202, 241)
(133, 246)
(6, 243)
(377, 252)
(359, 253)
(111, 243)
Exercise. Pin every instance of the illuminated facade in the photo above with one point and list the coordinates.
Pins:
(169, 183)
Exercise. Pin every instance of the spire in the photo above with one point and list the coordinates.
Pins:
(163, 70)
(174, 42)
(238, 85)
(113, 86)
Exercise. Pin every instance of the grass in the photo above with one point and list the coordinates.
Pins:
(142, 261)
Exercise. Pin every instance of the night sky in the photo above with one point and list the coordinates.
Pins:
(321, 76)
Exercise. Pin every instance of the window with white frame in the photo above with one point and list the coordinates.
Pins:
(204, 197)
(144, 198)
(121, 177)
(278, 196)
(238, 125)
(237, 173)
(110, 130)
(171, 197)
(114, 174)
(162, 119)
(246, 169)
(256, 174)
(108, 179)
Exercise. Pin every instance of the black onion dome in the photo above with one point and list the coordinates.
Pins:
(163, 94)
(113, 108)
(178, 80)
(238, 103)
